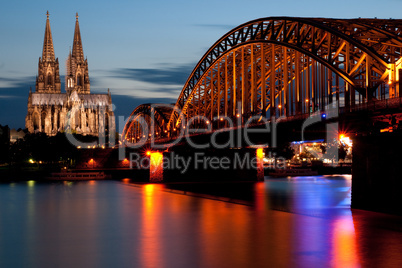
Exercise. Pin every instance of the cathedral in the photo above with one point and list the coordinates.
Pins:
(77, 110)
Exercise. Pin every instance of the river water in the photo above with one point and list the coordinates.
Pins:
(298, 222)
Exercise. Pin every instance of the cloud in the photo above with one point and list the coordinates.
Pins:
(129, 87)
(13, 100)
(16, 82)
(165, 81)
(6, 96)
(167, 75)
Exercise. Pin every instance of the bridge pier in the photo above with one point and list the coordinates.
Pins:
(376, 173)
(209, 165)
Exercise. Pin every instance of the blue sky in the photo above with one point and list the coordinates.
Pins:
(142, 50)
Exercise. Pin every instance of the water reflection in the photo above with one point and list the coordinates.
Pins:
(302, 222)
(150, 233)
(344, 243)
(319, 196)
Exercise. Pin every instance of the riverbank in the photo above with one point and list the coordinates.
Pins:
(140, 175)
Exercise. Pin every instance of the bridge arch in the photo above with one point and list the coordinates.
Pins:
(314, 61)
(147, 120)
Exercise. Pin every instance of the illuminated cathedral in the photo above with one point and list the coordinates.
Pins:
(76, 110)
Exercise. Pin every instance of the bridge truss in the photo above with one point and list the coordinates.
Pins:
(146, 121)
(285, 66)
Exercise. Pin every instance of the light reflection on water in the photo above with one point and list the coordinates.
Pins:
(298, 222)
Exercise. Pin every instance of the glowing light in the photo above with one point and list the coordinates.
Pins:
(156, 167)
(31, 183)
(149, 189)
(221, 118)
(148, 153)
(260, 164)
(165, 131)
(346, 140)
(344, 243)
(237, 115)
(307, 100)
(279, 106)
(260, 153)
(323, 115)
(31, 161)
(174, 129)
(79, 147)
(184, 126)
(207, 122)
(91, 160)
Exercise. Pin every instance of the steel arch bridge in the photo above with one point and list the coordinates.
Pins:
(285, 66)
(147, 120)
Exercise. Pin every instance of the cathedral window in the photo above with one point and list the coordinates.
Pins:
(79, 80)
(48, 81)
(106, 123)
(43, 120)
(77, 119)
(36, 121)
(70, 82)
(58, 121)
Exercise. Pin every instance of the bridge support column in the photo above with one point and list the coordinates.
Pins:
(260, 164)
(376, 181)
(156, 167)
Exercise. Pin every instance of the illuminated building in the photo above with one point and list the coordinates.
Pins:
(51, 111)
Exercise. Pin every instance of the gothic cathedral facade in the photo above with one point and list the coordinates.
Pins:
(77, 110)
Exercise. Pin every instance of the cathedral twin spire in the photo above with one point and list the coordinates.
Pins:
(78, 52)
(50, 111)
(48, 50)
(48, 79)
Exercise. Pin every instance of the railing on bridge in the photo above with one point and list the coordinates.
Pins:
(379, 105)
(374, 106)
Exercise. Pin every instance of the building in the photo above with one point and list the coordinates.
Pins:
(76, 110)
(16, 134)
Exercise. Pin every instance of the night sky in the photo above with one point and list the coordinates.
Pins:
(142, 50)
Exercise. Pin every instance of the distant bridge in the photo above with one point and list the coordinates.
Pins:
(282, 67)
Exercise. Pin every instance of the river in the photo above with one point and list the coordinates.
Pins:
(298, 222)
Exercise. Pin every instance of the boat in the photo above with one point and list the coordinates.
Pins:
(77, 176)
(293, 172)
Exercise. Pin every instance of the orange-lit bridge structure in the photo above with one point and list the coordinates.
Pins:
(282, 67)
